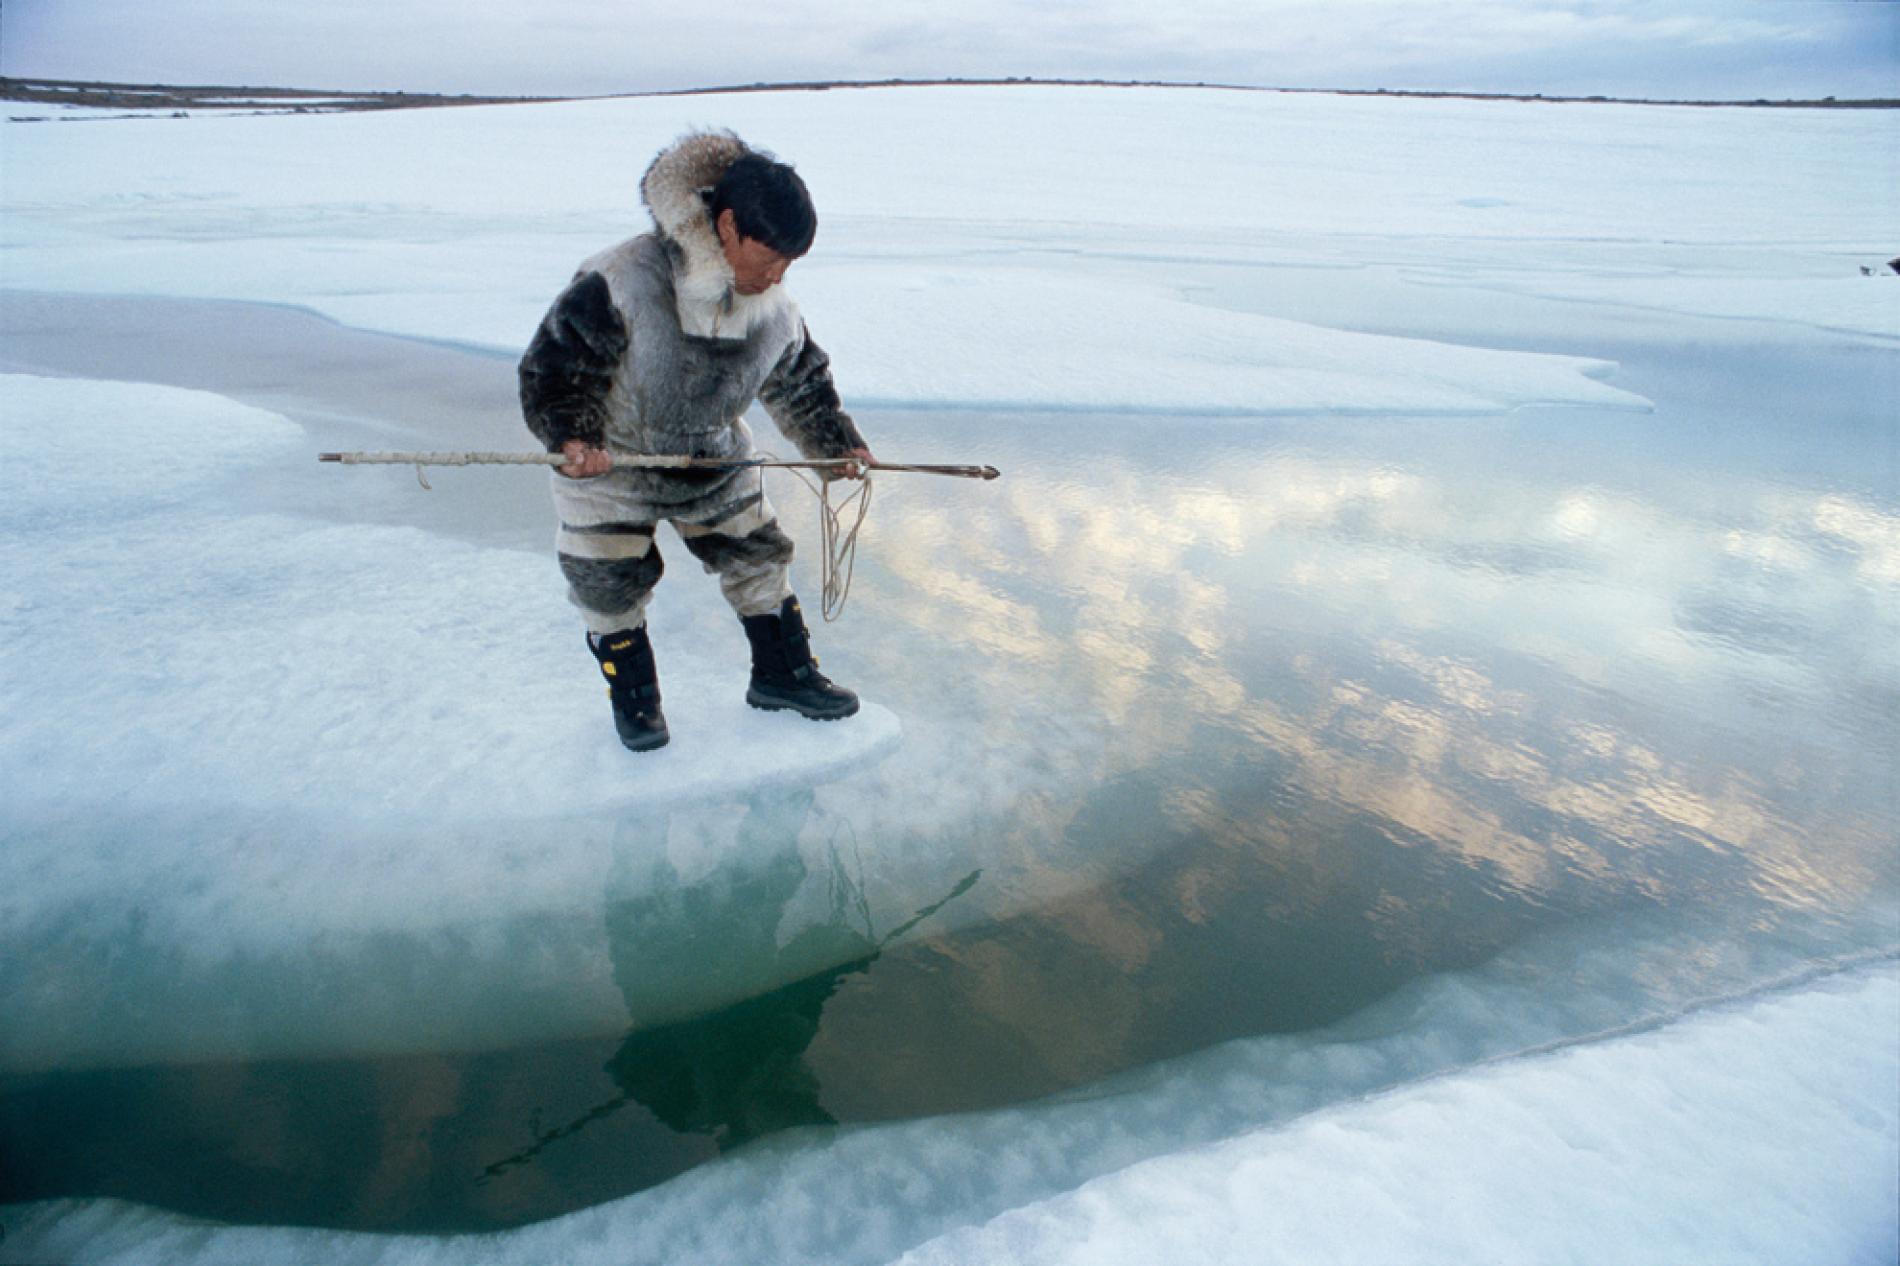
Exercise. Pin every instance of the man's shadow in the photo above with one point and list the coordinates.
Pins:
(737, 1073)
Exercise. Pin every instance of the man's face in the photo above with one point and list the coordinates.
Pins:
(756, 267)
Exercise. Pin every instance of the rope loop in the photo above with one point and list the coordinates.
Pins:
(838, 543)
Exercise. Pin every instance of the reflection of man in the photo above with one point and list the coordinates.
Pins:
(738, 1073)
(658, 347)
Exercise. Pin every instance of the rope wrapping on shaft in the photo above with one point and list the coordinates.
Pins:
(445, 459)
(466, 458)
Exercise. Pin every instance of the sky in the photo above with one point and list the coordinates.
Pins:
(1693, 49)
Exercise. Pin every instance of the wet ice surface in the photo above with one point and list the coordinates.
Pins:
(1247, 765)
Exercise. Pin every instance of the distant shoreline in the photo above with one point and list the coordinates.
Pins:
(1823, 103)
(249, 100)
(226, 99)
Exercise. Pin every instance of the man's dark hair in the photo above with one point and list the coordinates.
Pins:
(769, 203)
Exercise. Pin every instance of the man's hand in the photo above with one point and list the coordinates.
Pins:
(584, 460)
(861, 461)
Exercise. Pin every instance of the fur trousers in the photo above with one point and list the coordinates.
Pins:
(609, 554)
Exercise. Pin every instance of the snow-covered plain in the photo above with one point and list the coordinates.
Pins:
(349, 782)
(976, 243)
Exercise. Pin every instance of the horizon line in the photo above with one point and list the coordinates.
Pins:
(391, 97)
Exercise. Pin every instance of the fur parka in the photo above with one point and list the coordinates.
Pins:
(651, 349)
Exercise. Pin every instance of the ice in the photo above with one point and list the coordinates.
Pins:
(201, 617)
(1040, 339)
(1758, 1128)
(1723, 1137)
(1029, 214)
(307, 775)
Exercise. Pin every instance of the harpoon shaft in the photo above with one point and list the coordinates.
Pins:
(629, 460)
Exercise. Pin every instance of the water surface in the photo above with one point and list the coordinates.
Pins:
(1215, 727)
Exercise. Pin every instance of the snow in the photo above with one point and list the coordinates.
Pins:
(1020, 213)
(304, 756)
(225, 609)
(209, 614)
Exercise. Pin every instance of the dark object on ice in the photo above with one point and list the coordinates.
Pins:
(1894, 263)
(633, 683)
(785, 673)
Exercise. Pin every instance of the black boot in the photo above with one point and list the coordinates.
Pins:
(633, 683)
(784, 672)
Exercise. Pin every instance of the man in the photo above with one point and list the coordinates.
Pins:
(657, 348)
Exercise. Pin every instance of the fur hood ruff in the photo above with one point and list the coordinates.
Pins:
(674, 190)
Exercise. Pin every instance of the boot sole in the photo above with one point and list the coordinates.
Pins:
(766, 703)
(652, 742)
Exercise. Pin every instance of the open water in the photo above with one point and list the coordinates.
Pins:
(1214, 728)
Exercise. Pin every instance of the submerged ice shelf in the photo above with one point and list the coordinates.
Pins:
(1433, 1129)
(1591, 1152)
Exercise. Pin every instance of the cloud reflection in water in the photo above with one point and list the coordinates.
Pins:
(1578, 692)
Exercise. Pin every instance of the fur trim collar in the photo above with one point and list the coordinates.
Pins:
(674, 190)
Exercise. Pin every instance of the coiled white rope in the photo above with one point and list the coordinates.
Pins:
(838, 545)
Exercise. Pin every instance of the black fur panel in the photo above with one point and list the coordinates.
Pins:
(569, 367)
(765, 544)
(801, 398)
(612, 584)
(610, 529)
